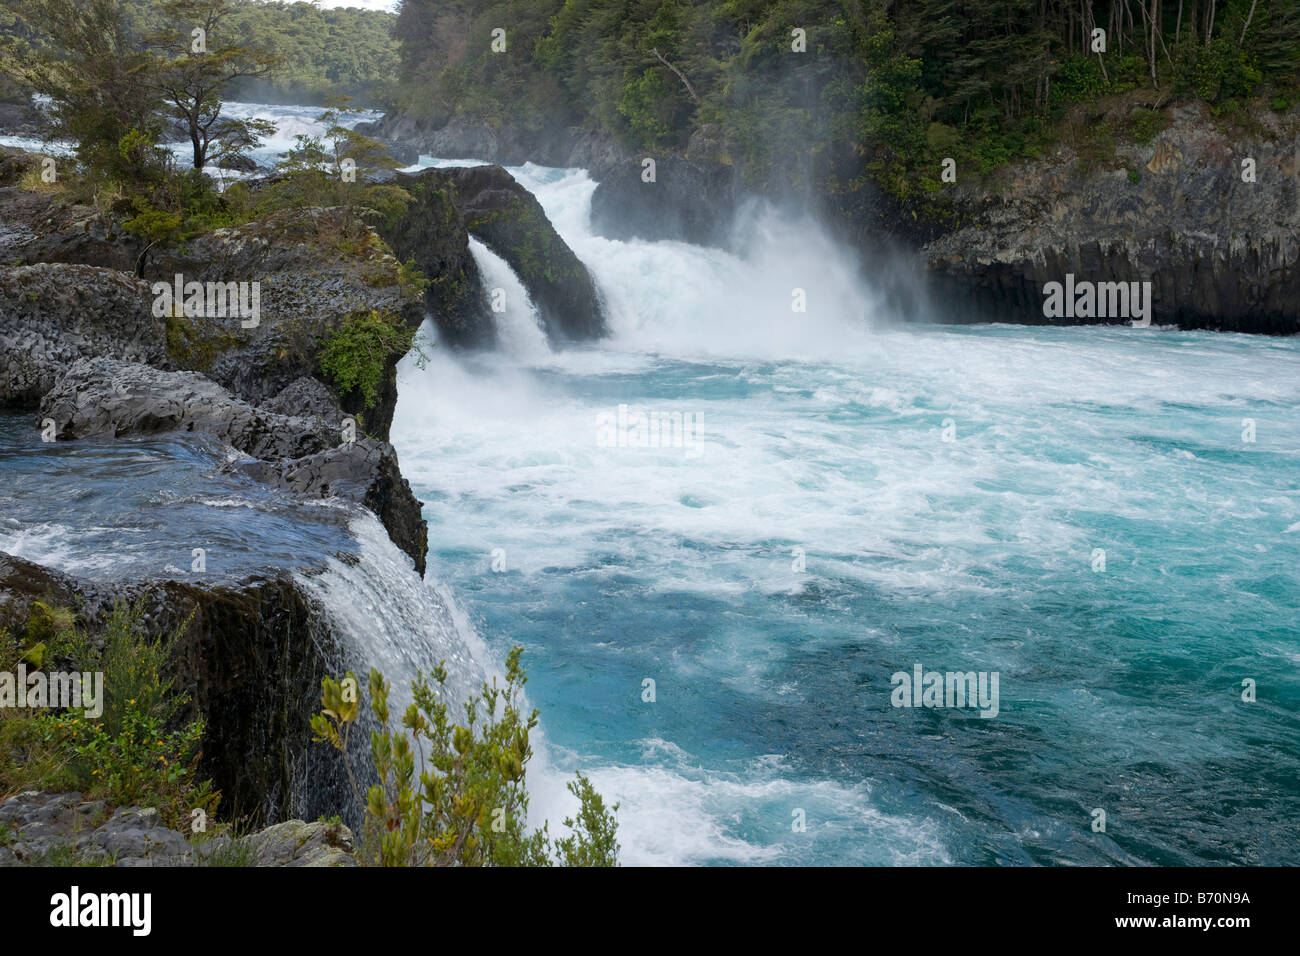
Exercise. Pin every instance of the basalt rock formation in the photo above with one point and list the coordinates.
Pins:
(509, 220)
(52, 314)
(1220, 251)
(364, 471)
(86, 346)
(432, 234)
(487, 203)
(690, 200)
(251, 657)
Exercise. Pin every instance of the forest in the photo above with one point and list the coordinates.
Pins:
(319, 53)
(806, 90)
(812, 95)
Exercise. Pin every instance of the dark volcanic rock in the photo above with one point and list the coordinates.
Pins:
(315, 269)
(364, 471)
(511, 222)
(109, 397)
(432, 233)
(51, 315)
(305, 398)
(690, 200)
(303, 455)
(251, 657)
(41, 225)
(241, 164)
(22, 583)
(1219, 252)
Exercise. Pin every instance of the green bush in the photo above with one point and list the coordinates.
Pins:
(358, 355)
(467, 804)
(138, 751)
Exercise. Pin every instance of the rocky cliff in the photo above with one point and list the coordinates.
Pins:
(1207, 213)
(86, 350)
(1177, 209)
(486, 202)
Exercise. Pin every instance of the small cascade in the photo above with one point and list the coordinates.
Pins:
(518, 323)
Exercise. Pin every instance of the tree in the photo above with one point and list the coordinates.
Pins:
(190, 74)
(94, 70)
(339, 168)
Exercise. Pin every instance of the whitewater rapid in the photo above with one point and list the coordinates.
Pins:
(863, 495)
(946, 491)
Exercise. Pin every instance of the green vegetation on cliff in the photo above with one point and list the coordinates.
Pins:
(886, 87)
(140, 749)
(355, 358)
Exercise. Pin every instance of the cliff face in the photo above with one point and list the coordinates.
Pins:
(1219, 251)
(251, 658)
(451, 204)
(509, 220)
(82, 343)
(83, 350)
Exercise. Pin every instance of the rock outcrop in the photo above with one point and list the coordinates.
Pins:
(432, 234)
(107, 397)
(84, 343)
(363, 471)
(486, 202)
(88, 347)
(305, 455)
(44, 226)
(315, 269)
(510, 221)
(1220, 252)
(688, 200)
(61, 828)
(51, 315)
(251, 656)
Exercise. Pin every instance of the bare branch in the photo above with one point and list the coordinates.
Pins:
(685, 82)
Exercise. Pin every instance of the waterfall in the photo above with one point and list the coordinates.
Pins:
(518, 325)
(376, 612)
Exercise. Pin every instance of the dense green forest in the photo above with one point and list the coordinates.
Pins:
(323, 53)
(821, 94)
(899, 85)
(320, 53)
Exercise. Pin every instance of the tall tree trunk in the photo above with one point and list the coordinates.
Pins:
(1250, 16)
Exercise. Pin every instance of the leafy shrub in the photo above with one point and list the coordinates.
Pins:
(357, 356)
(138, 751)
(468, 803)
